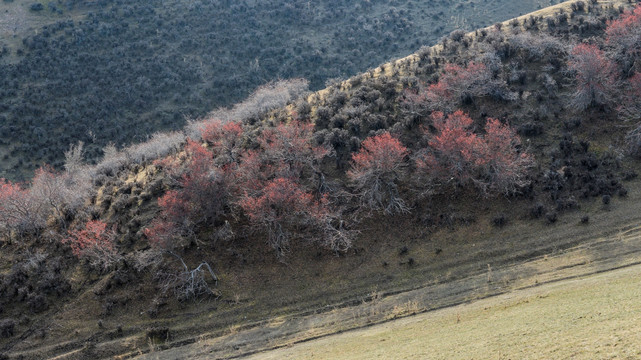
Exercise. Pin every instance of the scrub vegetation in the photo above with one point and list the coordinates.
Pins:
(114, 71)
(292, 202)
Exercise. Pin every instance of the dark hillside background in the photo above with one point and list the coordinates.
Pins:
(116, 71)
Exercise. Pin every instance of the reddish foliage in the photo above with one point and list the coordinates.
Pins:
(18, 208)
(453, 79)
(251, 174)
(94, 234)
(280, 199)
(456, 154)
(288, 147)
(201, 197)
(595, 76)
(197, 175)
(223, 136)
(624, 36)
(162, 234)
(457, 83)
(382, 153)
(375, 170)
(200, 159)
(286, 151)
(203, 185)
(624, 25)
(95, 242)
(264, 180)
(174, 206)
(506, 167)
(282, 207)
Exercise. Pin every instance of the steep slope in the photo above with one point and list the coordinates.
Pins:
(327, 246)
(85, 70)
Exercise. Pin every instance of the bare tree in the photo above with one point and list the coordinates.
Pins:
(595, 76)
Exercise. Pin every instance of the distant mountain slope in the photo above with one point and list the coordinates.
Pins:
(115, 71)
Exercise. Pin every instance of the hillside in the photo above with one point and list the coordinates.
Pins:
(89, 70)
(568, 320)
(496, 160)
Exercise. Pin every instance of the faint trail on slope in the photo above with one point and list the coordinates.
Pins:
(619, 250)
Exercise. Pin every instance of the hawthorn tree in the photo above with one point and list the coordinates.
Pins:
(269, 184)
(595, 76)
(289, 149)
(623, 36)
(95, 242)
(203, 185)
(505, 165)
(455, 154)
(19, 210)
(376, 168)
(201, 197)
(284, 210)
(224, 137)
(272, 186)
(286, 150)
(251, 174)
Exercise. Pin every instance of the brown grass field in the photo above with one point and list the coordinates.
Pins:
(597, 317)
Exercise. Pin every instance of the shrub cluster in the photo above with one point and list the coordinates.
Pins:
(278, 186)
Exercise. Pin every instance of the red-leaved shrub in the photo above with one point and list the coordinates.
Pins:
(623, 36)
(457, 155)
(375, 171)
(284, 210)
(95, 242)
(595, 76)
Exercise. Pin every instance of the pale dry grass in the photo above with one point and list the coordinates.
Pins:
(598, 317)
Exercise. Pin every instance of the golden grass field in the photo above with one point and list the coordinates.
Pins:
(598, 317)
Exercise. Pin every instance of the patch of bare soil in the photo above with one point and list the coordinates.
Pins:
(313, 299)
(13, 20)
(620, 249)
(266, 304)
(18, 22)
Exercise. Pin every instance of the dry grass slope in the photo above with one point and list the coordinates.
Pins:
(597, 317)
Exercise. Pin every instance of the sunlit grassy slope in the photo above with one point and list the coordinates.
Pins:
(598, 317)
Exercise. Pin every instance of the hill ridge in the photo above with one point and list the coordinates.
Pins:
(153, 214)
